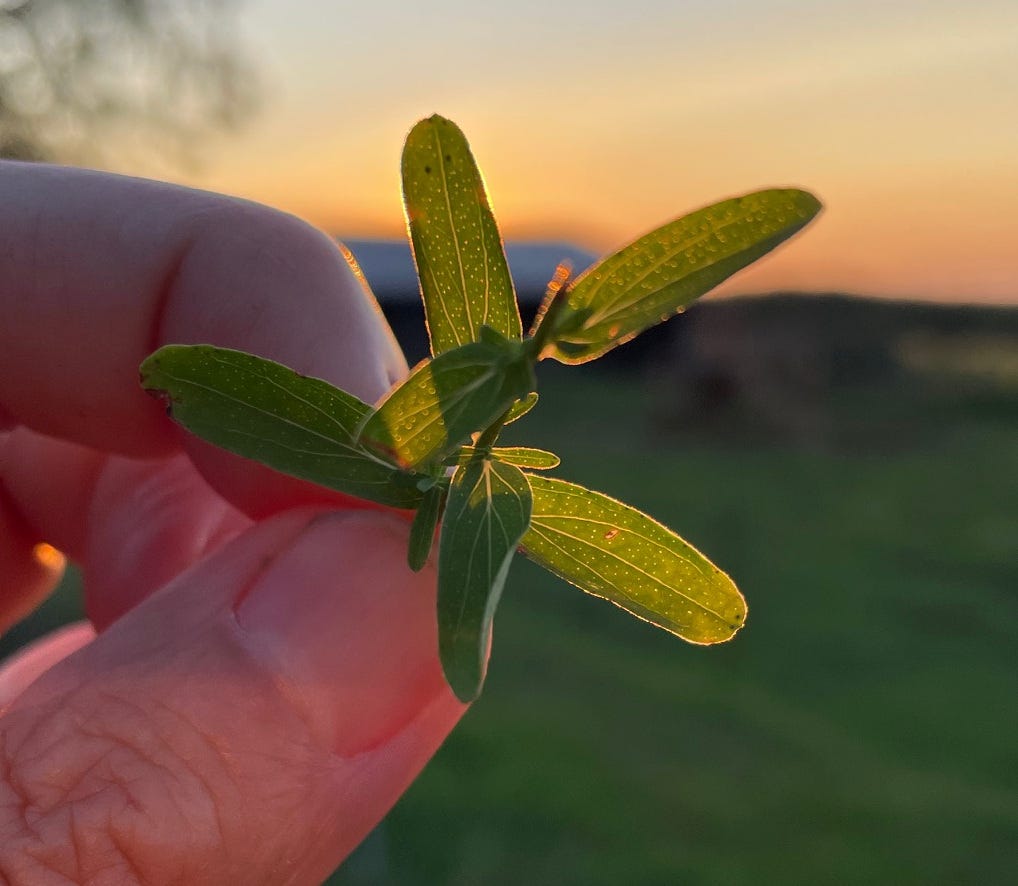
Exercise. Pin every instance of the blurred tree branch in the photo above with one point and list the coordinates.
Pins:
(101, 82)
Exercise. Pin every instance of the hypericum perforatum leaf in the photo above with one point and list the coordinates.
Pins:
(520, 456)
(445, 400)
(662, 272)
(422, 530)
(485, 518)
(521, 407)
(461, 263)
(614, 551)
(264, 411)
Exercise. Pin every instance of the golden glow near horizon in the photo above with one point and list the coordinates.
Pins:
(593, 123)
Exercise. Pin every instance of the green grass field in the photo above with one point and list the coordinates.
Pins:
(863, 728)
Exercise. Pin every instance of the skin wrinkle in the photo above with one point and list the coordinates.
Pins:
(91, 811)
(118, 780)
(77, 843)
(9, 780)
(125, 856)
(202, 779)
(97, 770)
(207, 739)
(18, 880)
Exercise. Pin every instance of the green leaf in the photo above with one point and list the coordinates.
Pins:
(445, 400)
(526, 457)
(521, 407)
(422, 530)
(662, 272)
(264, 411)
(520, 456)
(485, 518)
(461, 263)
(616, 552)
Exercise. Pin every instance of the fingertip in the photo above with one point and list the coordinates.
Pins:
(264, 281)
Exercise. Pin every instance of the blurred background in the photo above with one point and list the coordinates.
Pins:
(835, 427)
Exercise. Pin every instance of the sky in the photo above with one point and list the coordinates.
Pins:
(595, 122)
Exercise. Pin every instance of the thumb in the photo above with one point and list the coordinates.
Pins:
(249, 723)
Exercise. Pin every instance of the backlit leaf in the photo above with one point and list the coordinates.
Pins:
(422, 530)
(520, 456)
(485, 518)
(662, 272)
(521, 407)
(614, 551)
(445, 400)
(461, 263)
(264, 411)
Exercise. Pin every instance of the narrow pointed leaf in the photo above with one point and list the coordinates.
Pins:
(461, 263)
(521, 407)
(445, 400)
(485, 518)
(422, 530)
(614, 551)
(526, 457)
(264, 411)
(662, 272)
(520, 456)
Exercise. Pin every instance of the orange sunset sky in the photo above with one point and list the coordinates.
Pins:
(595, 121)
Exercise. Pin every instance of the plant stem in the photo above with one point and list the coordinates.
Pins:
(489, 436)
(554, 301)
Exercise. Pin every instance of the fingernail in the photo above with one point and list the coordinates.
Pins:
(348, 629)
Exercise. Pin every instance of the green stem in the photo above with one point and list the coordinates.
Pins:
(556, 300)
(490, 434)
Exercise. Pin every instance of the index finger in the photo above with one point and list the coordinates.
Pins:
(98, 270)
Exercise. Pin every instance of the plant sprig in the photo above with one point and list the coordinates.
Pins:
(430, 445)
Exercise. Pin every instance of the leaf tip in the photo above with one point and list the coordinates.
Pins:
(416, 560)
(810, 204)
(466, 691)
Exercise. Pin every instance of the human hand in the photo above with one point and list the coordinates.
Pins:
(265, 681)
